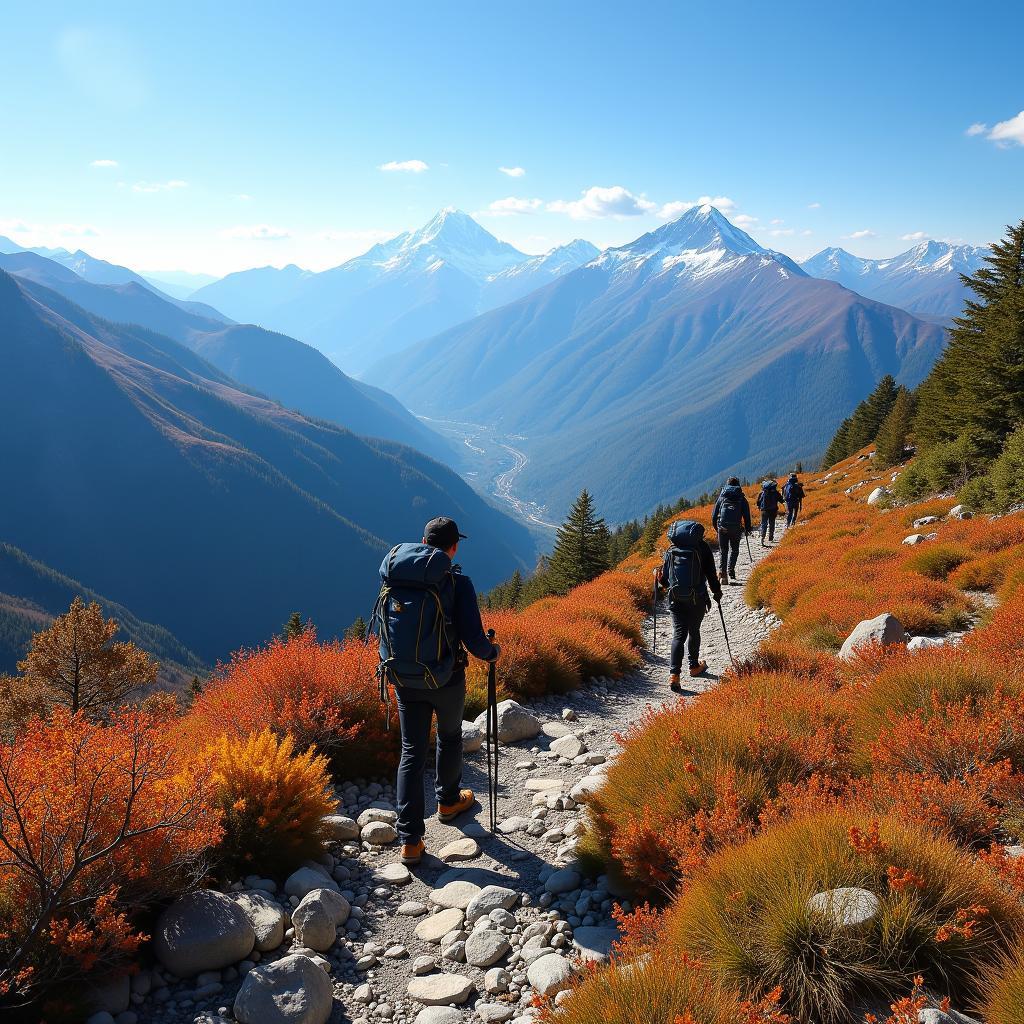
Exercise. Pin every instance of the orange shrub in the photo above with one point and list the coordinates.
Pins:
(96, 821)
(273, 801)
(942, 915)
(1001, 641)
(324, 695)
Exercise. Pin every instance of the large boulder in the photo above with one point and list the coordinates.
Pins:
(292, 990)
(339, 828)
(305, 880)
(485, 947)
(440, 989)
(472, 737)
(490, 897)
(594, 943)
(879, 494)
(550, 974)
(266, 916)
(883, 629)
(203, 931)
(515, 723)
(317, 917)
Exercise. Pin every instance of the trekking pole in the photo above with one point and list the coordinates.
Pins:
(746, 537)
(654, 639)
(492, 733)
(721, 615)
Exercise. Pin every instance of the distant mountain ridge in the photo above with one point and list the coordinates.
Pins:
(399, 292)
(924, 280)
(659, 365)
(210, 510)
(273, 364)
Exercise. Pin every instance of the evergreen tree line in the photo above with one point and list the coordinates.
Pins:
(966, 419)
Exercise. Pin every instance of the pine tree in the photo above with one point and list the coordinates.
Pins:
(868, 417)
(581, 546)
(977, 385)
(838, 447)
(895, 430)
(358, 630)
(293, 627)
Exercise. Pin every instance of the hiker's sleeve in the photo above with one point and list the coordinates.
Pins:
(746, 514)
(468, 621)
(663, 572)
(716, 513)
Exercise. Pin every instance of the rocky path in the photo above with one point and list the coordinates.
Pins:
(485, 922)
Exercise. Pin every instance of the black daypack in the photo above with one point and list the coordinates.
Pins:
(414, 618)
(685, 571)
(730, 515)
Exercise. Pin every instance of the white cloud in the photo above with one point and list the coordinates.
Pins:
(814, 206)
(914, 236)
(159, 186)
(410, 166)
(806, 232)
(511, 205)
(776, 220)
(256, 233)
(242, 197)
(103, 163)
(1005, 132)
(744, 220)
(976, 129)
(863, 233)
(674, 209)
(513, 172)
(597, 201)
(48, 235)
(782, 231)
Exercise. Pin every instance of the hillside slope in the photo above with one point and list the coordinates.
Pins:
(661, 365)
(210, 510)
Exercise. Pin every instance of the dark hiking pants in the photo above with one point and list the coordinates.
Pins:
(768, 525)
(728, 549)
(792, 511)
(686, 620)
(416, 708)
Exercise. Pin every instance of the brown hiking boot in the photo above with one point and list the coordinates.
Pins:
(673, 683)
(412, 853)
(699, 669)
(722, 578)
(449, 812)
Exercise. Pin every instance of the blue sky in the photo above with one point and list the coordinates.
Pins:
(212, 137)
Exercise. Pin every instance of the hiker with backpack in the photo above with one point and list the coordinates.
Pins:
(687, 573)
(768, 502)
(427, 617)
(730, 519)
(793, 494)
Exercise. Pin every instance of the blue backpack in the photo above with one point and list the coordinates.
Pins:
(730, 515)
(414, 618)
(685, 571)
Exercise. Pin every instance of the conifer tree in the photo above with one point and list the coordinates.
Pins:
(581, 546)
(293, 627)
(837, 449)
(868, 417)
(895, 430)
(358, 629)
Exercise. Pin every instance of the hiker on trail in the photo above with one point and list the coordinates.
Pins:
(427, 617)
(730, 518)
(793, 493)
(687, 573)
(768, 502)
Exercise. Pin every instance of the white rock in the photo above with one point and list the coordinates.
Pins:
(569, 747)
(594, 943)
(412, 908)
(488, 899)
(496, 981)
(568, 715)
(459, 849)
(305, 880)
(960, 512)
(423, 965)
(542, 785)
(394, 874)
(564, 880)
(455, 894)
(556, 730)
(292, 990)
(882, 629)
(317, 918)
(378, 833)
(549, 974)
(438, 1015)
(484, 948)
(440, 989)
(435, 928)
(587, 787)
(495, 1013)
(371, 814)
(515, 723)
(266, 916)
(848, 907)
(926, 521)
(340, 829)
(516, 823)
(202, 931)
(364, 994)
(472, 738)
(878, 494)
(920, 643)
(915, 538)
(933, 1016)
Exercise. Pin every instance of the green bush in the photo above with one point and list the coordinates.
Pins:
(937, 561)
(1006, 477)
(944, 467)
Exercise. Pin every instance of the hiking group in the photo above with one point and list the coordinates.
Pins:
(688, 575)
(427, 620)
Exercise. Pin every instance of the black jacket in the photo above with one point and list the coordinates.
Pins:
(735, 492)
(793, 492)
(692, 535)
(769, 499)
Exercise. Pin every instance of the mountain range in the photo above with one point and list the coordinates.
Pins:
(399, 292)
(134, 464)
(657, 366)
(924, 280)
(275, 365)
